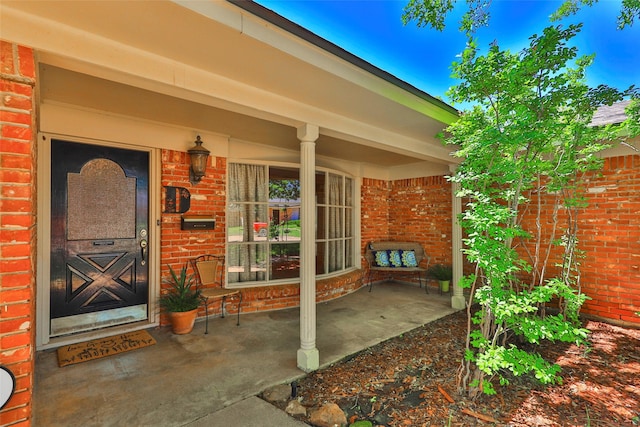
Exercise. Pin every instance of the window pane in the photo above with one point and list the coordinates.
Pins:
(246, 263)
(285, 261)
(336, 255)
(348, 191)
(247, 183)
(320, 188)
(348, 260)
(285, 222)
(321, 231)
(235, 231)
(246, 222)
(321, 250)
(335, 223)
(348, 222)
(284, 186)
(336, 196)
(284, 204)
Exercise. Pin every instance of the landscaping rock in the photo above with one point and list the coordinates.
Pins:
(295, 408)
(279, 393)
(328, 415)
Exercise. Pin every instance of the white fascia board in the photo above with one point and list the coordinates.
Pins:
(390, 141)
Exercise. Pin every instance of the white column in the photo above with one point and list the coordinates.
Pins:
(457, 298)
(308, 355)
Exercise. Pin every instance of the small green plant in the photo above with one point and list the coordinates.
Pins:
(588, 418)
(182, 295)
(441, 272)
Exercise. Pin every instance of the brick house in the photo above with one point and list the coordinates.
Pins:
(99, 108)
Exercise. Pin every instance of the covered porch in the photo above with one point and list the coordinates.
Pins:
(194, 377)
(259, 90)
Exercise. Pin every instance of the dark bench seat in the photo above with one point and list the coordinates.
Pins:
(395, 259)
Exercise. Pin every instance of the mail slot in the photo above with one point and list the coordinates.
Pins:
(198, 222)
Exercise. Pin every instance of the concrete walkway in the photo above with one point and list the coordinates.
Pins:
(212, 380)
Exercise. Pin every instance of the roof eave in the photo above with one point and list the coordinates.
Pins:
(446, 114)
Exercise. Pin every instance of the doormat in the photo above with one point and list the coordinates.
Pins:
(103, 347)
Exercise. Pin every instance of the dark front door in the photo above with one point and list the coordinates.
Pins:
(99, 226)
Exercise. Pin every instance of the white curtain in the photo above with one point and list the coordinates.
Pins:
(336, 223)
(248, 193)
(348, 219)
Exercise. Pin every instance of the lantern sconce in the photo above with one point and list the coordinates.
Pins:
(199, 156)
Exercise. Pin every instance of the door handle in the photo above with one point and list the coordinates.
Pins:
(143, 250)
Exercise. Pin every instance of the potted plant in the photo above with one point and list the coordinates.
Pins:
(181, 301)
(443, 273)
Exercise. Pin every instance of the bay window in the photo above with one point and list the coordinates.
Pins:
(263, 224)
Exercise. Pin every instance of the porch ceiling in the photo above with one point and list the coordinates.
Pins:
(213, 66)
(68, 87)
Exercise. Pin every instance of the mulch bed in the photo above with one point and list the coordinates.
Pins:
(405, 381)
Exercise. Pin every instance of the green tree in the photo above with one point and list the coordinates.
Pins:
(629, 10)
(525, 146)
(432, 13)
(284, 189)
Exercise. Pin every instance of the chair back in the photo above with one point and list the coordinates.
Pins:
(209, 270)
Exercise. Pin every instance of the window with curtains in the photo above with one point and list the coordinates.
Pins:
(263, 224)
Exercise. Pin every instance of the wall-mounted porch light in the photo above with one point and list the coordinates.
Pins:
(199, 156)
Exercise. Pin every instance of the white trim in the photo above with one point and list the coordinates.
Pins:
(43, 246)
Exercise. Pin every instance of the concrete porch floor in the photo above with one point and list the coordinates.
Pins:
(212, 380)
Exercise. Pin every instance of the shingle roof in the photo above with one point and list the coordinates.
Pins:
(610, 114)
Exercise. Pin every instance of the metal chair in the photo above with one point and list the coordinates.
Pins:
(209, 273)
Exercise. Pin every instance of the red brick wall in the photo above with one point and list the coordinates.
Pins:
(287, 296)
(17, 227)
(374, 213)
(610, 234)
(420, 210)
(207, 197)
(417, 210)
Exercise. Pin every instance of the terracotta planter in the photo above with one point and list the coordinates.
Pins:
(182, 322)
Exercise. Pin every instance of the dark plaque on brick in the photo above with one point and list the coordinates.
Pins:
(176, 199)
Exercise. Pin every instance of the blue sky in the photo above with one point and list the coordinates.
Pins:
(373, 30)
